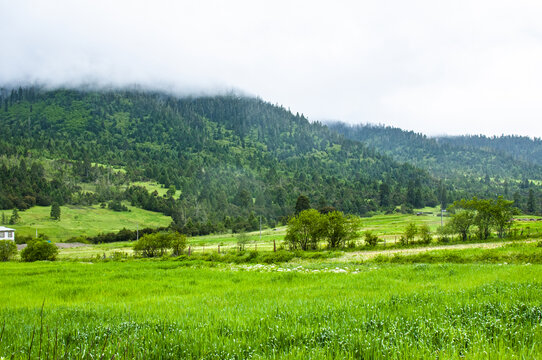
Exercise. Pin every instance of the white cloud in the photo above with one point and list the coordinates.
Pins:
(455, 67)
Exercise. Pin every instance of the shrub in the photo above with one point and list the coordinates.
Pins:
(152, 245)
(409, 234)
(445, 233)
(39, 250)
(370, 238)
(147, 246)
(178, 244)
(79, 239)
(22, 239)
(425, 234)
(8, 249)
(242, 240)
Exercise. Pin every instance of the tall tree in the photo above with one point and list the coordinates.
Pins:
(14, 219)
(531, 203)
(384, 193)
(55, 211)
(302, 203)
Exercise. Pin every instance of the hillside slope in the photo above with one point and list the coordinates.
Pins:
(230, 156)
(511, 158)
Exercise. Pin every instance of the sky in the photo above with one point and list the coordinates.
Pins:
(436, 67)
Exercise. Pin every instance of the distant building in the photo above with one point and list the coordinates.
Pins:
(7, 233)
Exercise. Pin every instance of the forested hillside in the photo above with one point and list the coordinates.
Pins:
(521, 148)
(233, 158)
(485, 167)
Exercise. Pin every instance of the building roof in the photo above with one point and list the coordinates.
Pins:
(2, 228)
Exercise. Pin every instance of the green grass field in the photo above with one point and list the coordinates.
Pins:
(461, 302)
(84, 220)
(165, 310)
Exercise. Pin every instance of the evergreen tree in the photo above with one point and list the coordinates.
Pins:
(55, 211)
(384, 192)
(301, 204)
(531, 204)
(14, 217)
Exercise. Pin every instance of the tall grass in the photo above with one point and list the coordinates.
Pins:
(165, 310)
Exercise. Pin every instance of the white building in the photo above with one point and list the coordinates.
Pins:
(7, 233)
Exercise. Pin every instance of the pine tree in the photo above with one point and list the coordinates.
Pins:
(14, 217)
(55, 211)
(302, 203)
(531, 205)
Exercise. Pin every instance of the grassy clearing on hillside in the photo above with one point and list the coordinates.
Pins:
(85, 220)
(162, 309)
(152, 186)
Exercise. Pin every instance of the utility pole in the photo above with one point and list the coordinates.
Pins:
(260, 228)
(137, 231)
(442, 211)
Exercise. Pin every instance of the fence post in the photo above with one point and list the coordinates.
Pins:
(189, 250)
(219, 249)
(274, 246)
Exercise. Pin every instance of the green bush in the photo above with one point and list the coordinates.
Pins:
(22, 239)
(425, 234)
(409, 234)
(79, 239)
(370, 238)
(157, 244)
(178, 244)
(8, 249)
(39, 250)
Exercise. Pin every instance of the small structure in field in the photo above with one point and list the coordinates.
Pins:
(7, 233)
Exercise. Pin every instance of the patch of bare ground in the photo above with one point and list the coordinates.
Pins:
(59, 245)
(369, 254)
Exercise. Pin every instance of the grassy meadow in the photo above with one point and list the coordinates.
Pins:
(84, 220)
(442, 301)
(165, 310)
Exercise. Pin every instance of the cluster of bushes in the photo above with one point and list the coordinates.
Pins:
(159, 244)
(25, 239)
(309, 227)
(481, 216)
(122, 235)
(370, 238)
(416, 235)
(8, 250)
(35, 250)
(39, 249)
(115, 205)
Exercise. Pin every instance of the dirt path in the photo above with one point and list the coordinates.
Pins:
(365, 255)
(59, 245)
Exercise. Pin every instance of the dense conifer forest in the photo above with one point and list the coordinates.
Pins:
(479, 165)
(233, 158)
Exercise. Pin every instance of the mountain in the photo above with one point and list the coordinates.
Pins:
(234, 158)
(521, 148)
(505, 157)
(506, 165)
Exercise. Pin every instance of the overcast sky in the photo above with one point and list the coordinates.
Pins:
(435, 67)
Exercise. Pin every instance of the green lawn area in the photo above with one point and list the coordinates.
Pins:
(84, 220)
(166, 310)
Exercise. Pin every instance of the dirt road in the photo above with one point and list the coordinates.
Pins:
(365, 255)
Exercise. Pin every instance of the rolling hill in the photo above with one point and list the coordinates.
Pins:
(233, 158)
